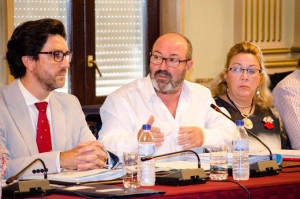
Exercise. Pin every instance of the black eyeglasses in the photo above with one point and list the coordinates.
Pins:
(171, 62)
(58, 56)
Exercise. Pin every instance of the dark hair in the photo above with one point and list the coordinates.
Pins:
(28, 39)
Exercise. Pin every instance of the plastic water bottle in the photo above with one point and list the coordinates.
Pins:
(146, 172)
(240, 149)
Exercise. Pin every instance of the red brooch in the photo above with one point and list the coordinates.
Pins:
(268, 122)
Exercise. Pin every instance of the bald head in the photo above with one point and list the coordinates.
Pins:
(166, 77)
(173, 41)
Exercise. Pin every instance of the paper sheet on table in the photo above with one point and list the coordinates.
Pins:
(178, 165)
(205, 157)
(191, 162)
(284, 153)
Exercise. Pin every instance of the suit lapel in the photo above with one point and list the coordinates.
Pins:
(19, 112)
(58, 123)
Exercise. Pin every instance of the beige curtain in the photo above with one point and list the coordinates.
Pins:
(4, 73)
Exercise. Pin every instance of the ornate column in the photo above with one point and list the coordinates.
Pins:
(272, 24)
(171, 16)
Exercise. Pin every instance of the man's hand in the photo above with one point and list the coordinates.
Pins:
(190, 137)
(88, 155)
(158, 136)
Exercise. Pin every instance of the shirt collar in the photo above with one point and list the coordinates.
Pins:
(29, 98)
(149, 89)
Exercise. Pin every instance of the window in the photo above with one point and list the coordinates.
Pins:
(119, 43)
(25, 10)
(114, 32)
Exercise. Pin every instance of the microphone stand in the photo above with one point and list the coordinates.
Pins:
(249, 132)
(258, 169)
(15, 177)
(27, 188)
(167, 154)
(181, 177)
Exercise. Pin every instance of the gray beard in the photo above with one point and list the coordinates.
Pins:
(165, 90)
(172, 87)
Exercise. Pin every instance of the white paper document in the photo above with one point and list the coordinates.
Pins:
(191, 162)
(284, 153)
(178, 165)
(74, 176)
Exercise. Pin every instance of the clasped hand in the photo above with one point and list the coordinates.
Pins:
(88, 155)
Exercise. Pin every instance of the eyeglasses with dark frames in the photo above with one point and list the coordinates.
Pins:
(250, 71)
(171, 62)
(58, 56)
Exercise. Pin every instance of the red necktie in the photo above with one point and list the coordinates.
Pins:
(43, 137)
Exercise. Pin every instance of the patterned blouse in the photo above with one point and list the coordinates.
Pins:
(274, 138)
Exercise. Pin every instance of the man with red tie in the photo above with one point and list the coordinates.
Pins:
(35, 121)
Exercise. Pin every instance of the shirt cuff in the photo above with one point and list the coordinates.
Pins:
(58, 162)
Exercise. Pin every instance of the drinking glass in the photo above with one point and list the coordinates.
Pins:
(130, 169)
(218, 162)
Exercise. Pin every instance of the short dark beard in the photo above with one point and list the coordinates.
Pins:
(48, 81)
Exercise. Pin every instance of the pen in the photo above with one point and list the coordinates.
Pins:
(291, 159)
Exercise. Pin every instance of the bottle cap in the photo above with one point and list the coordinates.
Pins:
(146, 126)
(239, 123)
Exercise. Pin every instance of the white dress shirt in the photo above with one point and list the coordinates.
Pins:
(287, 103)
(127, 109)
(30, 100)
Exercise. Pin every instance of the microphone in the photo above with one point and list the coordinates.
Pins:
(252, 134)
(167, 154)
(182, 177)
(258, 169)
(27, 188)
(15, 177)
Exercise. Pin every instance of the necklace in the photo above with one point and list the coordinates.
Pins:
(247, 121)
(243, 107)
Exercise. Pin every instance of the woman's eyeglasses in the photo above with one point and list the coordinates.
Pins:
(250, 71)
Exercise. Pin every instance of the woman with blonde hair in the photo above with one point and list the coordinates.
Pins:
(242, 88)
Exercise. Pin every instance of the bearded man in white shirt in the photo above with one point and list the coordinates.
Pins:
(179, 111)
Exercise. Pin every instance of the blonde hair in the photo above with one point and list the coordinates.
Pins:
(218, 86)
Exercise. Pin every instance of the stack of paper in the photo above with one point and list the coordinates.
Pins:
(178, 165)
(191, 162)
(293, 155)
(204, 158)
